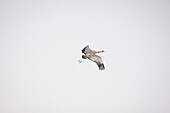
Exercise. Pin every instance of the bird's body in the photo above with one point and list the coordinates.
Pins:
(91, 55)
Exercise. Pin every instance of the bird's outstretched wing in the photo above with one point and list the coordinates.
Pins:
(85, 50)
(98, 60)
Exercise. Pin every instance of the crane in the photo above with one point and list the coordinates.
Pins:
(91, 55)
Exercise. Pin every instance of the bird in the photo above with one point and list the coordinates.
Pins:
(91, 55)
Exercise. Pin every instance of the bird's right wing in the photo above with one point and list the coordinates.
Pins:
(98, 60)
(85, 50)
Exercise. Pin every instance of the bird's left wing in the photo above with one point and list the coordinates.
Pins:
(98, 60)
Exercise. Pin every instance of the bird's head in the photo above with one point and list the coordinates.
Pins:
(103, 51)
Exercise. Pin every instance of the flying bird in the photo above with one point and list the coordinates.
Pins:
(91, 55)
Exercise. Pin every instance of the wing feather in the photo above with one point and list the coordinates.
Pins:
(98, 60)
(85, 50)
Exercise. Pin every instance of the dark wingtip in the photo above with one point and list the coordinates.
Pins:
(101, 67)
(83, 50)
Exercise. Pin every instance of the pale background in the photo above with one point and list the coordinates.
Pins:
(41, 42)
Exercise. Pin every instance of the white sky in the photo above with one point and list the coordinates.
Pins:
(41, 41)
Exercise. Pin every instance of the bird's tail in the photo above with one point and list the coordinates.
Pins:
(84, 56)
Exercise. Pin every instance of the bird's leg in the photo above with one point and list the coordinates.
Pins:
(80, 61)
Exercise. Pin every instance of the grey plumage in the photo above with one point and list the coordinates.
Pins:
(91, 55)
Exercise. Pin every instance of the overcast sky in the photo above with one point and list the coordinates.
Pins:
(41, 42)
